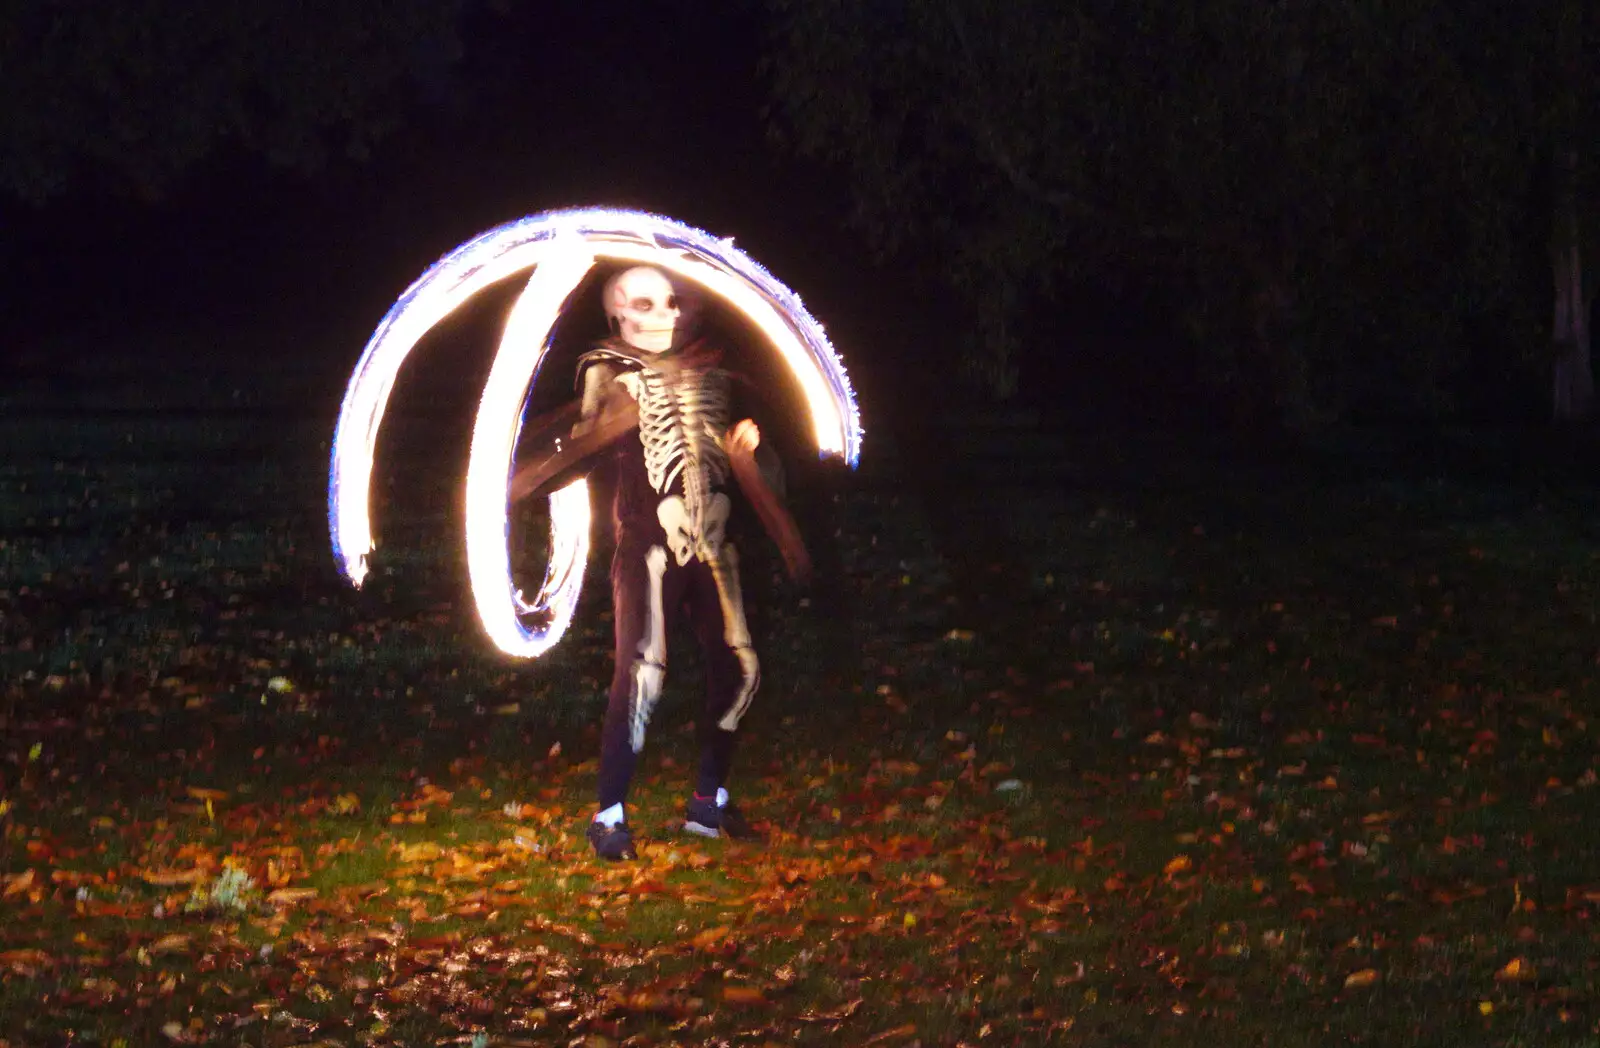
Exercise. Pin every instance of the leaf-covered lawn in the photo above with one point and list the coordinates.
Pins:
(1172, 763)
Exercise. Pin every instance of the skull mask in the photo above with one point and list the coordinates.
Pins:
(642, 308)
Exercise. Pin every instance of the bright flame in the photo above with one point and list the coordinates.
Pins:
(563, 246)
(494, 440)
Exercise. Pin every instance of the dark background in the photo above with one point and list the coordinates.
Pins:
(243, 253)
(565, 105)
(657, 106)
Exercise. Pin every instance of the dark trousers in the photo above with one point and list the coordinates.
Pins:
(687, 589)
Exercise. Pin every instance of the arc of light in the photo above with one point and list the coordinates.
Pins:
(436, 294)
(494, 440)
(547, 241)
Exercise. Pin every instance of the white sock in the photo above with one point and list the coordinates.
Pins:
(722, 797)
(610, 817)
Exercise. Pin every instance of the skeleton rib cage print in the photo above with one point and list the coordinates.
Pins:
(682, 419)
(681, 425)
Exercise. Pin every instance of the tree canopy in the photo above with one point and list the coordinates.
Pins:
(133, 93)
(1339, 191)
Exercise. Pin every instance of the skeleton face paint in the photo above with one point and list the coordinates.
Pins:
(643, 308)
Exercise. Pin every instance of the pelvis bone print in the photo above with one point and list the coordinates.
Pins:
(687, 537)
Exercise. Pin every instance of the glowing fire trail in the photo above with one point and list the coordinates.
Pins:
(562, 245)
(494, 441)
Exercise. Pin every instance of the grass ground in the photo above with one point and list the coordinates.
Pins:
(1307, 764)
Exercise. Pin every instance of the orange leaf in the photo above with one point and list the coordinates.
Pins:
(647, 886)
(908, 1030)
(168, 878)
(1359, 980)
(431, 794)
(17, 883)
(652, 1001)
(743, 995)
(1516, 970)
(1178, 864)
(177, 942)
(24, 961)
(709, 937)
(290, 896)
(836, 1015)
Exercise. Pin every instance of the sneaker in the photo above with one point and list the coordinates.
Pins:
(707, 818)
(613, 843)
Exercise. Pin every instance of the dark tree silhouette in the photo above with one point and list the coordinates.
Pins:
(1568, 101)
(1341, 190)
(132, 93)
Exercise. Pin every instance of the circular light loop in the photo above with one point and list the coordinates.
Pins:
(561, 247)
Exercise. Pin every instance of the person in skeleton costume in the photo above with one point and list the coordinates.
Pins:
(670, 511)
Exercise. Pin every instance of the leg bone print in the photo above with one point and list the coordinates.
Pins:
(736, 634)
(650, 668)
